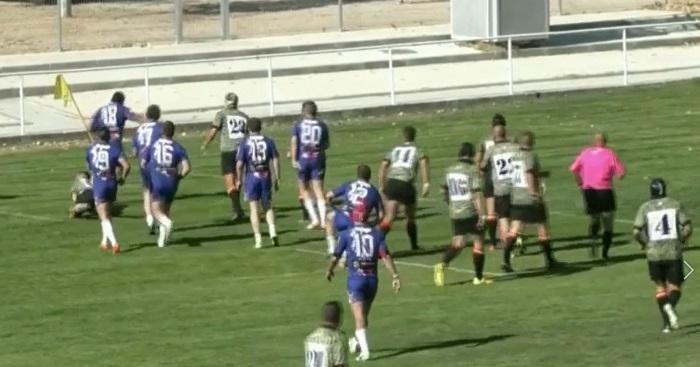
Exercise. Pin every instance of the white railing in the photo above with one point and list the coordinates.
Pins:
(390, 61)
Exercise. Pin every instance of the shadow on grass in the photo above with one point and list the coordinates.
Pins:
(7, 197)
(463, 342)
(198, 241)
(200, 195)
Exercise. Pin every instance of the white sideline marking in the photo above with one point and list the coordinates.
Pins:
(30, 216)
(194, 174)
(408, 263)
(626, 221)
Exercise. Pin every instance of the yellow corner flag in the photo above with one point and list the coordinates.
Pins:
(61, 90)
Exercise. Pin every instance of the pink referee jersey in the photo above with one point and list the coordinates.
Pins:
(595, 168)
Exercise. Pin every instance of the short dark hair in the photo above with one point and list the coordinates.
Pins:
(84, 174)
(232, 99)
(498, 119)
(466, 150)
(254, 125)
(331, 313)
(169, 129)
(409, 133)
(153, 112)
(309, 108)
(364, 172)
(527, 137)
(118, 97)
(102, 134)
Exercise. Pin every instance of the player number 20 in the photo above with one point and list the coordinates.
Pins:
(310, 134)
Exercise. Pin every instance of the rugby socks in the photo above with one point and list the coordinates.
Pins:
(108, 232)
(258, 240)
(674, 296)
(508, 249)
(270, 219)
(149, 220)
(304, 213)
(412, 231)
(662, 301)
(450, 255)
(491, 225)
(607, 242)
(361, 337)
(594, 228)
(166, 225)
(478, 258)
(321, 204)
(235, 196)
(330, 241)
(309, 205)
(547, 250)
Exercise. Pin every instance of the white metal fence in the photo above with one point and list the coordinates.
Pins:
(263, 67)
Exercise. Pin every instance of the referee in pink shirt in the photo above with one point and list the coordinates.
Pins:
(594, 170)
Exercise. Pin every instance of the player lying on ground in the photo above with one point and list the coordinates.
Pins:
(487, 187)
(309, 142)
(527, 204)
(396, 181)
(363, 245)
(82, 196)
(232, 124)
(594, 170)
(662, 227)
(462, 191)
(143, 139)
(352, 193)
(167, 164)
(102, 161)
(327, 346)
(258, 160)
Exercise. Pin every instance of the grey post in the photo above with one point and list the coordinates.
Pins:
(66, 8)
(225, 18)
(177, 26)
(341, 27)
(59, 27)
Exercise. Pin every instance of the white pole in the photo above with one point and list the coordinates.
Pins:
(21, 106)
(340, 16)
(59, 27)
(147, 87)
(625, 70)
(177, 26)
(225, 17)
(271, 86)
(392, 89)
(510, 66)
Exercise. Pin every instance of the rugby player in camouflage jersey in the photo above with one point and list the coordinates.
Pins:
(662, 227)
(233, 126)
(484, 145)
(82, 196)
(396, 178)
(527, 204)
(462, 191)
(327, 346)
(497, 160)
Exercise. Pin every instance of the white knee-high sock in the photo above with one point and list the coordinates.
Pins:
(149, 220)
(361, 336)
(330, 241)
(108, 231)
(166, 225)
(270, 219)
(321, 204)
(309, 205)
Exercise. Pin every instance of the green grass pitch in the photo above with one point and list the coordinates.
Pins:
(210, 299)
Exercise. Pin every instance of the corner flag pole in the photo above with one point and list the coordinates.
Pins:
(62, 91)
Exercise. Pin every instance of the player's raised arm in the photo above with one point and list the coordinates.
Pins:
(425, 175)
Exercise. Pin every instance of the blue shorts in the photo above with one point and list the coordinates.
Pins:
(341, 221)
(362, 289)
(163, 190)
(312, 169)
(145, 178)
(258, 187)
(104, 191)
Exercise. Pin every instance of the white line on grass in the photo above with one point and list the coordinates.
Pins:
(30, 216)
(408, 263)
(626, 221)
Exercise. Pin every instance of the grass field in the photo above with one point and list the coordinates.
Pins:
(210, 299)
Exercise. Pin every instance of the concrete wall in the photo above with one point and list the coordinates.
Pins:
(596, 6)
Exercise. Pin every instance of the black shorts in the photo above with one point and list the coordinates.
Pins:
(86, 197)
(503, 207)
(400, 191)
(599, 201)
(666, 271)
(461, 227)
(488, 186)
(228, 163)
(534, 213)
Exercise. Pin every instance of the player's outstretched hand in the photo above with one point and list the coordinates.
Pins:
(329, 275)
(396, 284)
(426, 189)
